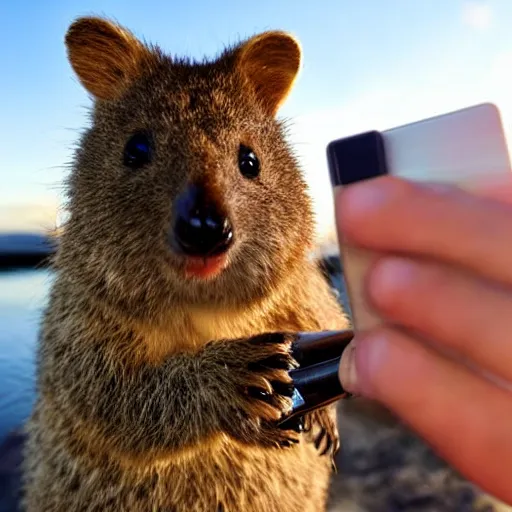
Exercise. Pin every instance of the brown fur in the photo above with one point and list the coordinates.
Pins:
(142, 373)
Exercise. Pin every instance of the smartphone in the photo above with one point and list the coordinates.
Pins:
(467, 148)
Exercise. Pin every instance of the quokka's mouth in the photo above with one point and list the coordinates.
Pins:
(205, 267)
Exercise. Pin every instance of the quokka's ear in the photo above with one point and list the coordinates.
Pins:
(270, 62)
(106, 57)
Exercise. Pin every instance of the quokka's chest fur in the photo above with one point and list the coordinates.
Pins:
(219, 474)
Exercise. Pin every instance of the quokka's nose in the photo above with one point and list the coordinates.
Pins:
(199, 228)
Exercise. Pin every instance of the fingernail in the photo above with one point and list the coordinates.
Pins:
(360, 362)
(347, 370)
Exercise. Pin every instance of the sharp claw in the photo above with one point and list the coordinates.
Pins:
(259, 394)
(283, 388)
(337, 447)
(307, 425)
(268, 339)
(318, 440)
(296, 424)
(288, 442)
(328, 445)
(276, 361)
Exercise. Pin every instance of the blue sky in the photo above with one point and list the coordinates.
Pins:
(367, 64)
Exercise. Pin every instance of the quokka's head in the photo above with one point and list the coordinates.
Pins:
(183, 187)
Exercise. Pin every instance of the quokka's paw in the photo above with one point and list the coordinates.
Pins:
(259, 368)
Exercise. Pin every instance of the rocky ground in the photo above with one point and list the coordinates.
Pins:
(383, 467)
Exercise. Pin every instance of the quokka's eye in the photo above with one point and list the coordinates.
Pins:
(248, 162)
(137, 151)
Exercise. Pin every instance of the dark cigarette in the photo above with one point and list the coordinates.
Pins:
(316, 386)
(317, 347)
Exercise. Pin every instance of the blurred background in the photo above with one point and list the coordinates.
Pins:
(367, 65)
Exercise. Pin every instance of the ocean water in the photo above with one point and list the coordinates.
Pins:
(23, 295)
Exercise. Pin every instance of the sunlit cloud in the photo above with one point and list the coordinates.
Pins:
(477, 15)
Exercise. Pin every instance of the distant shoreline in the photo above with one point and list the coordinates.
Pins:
(15, 261)
(23, 250)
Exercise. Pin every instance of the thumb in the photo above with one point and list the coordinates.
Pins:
(347, 370)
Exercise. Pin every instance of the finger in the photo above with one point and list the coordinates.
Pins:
(457, 310)
(466, 419)
(391, 215)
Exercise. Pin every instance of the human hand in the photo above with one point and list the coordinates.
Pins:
(443, 285)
